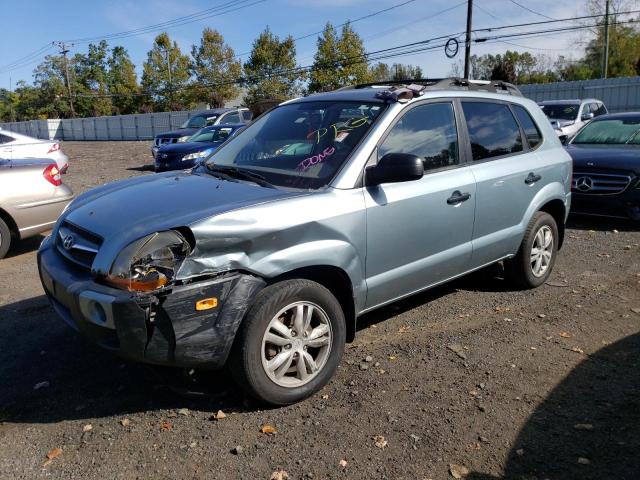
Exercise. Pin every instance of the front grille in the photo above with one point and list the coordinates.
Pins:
(163, 141)
(77, 244)
(599, 183)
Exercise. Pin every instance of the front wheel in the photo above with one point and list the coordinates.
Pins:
(290, 343)
(534, 261)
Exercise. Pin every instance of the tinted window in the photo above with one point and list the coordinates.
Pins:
(231, 118)
(6, 138)
(559, 111)
(428, 131)
(529, 126)
(612, 132)
(247, 115)
(598, 109)
(492, 129)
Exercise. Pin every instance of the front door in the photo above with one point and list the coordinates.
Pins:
(419, 232)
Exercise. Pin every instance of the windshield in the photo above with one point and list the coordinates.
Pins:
(299, 145)
(561, 111)
(199, 121)
(211, 135)
(610, 132)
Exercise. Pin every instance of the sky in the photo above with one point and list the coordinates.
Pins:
(30, 26)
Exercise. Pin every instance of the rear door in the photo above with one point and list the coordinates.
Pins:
(507, 173)
(419, 232)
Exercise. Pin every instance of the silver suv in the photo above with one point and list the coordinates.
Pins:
(263, 257)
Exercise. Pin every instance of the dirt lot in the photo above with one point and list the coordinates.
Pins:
(508, 384)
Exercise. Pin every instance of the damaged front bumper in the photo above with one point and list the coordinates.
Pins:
(163, 328)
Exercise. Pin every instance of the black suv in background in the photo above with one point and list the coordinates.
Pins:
(200, 120)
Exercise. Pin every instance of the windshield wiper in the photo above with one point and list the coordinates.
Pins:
(240, 173)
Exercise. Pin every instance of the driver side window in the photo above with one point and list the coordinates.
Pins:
(428, 131)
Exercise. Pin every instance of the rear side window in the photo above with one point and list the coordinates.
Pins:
(530, 128)
(247, 115)
(428, 131)
(598, 109)
(6, 138)
(492, 130)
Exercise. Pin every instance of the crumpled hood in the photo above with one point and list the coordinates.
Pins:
(125, 211)
(602, 156)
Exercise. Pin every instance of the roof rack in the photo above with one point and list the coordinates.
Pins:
(428, 84)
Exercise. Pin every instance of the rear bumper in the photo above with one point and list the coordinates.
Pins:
(162, 329)
(623, 205)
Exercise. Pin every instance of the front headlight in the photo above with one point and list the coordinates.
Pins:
(184, 139)
(197, 155)
(149, 263)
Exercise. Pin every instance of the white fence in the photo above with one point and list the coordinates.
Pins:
(618, 94)
(142, 126)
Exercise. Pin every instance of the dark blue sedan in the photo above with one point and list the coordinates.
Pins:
(606, 167)
(179, 156)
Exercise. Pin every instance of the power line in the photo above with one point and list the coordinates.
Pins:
(531, 11)
(348, 22)
(228, 7)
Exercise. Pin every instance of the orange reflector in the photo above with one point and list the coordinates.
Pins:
(207, 303)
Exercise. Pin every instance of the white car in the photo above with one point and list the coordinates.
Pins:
(14, 146)
(569, 116)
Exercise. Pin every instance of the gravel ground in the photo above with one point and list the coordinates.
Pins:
(472, 376)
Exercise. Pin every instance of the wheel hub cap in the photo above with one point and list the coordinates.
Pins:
(296, 344)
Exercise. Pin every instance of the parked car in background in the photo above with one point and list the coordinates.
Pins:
(606, 166)
(200, 120)
(178, 156)
(569, 116)
(32, 197)
(264, 256)
(18, 146)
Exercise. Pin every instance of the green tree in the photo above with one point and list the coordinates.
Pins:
(339, 60)
(405, 72)
(324, 75)
(49, 97)
(166, 74)
(271, 70)
(122, 82)
(90, 88)
(214, 63)
(380, 72)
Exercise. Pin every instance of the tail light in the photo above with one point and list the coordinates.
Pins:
(52, 175)
(54, 148)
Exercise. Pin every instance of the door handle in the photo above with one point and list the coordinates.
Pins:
(532, 178)
(458, 197)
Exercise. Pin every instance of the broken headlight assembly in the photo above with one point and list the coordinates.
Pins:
(150, 263)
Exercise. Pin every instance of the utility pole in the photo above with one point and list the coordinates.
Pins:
(13, 119)
(605, 55)
(64, 49)
(467, 41)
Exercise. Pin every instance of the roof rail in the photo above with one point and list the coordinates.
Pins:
(492, 86)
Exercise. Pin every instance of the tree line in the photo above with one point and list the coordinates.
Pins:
(103, 81)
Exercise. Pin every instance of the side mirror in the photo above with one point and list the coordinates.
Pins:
(587, 116)
(395, 167)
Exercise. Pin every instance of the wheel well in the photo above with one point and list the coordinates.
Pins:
(556, 209)
(337, 282)
(10, 223)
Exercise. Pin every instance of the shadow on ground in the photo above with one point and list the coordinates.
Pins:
(142, 168)
(587, 222)
(20, 247)
(588, 427)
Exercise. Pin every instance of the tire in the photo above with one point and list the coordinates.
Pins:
(253, 362)
(522, 269)
(5, 238)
